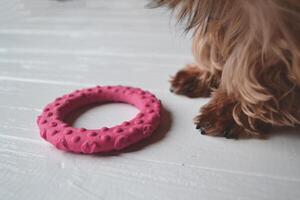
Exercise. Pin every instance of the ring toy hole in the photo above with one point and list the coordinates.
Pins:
(100, 115)
(80, 140)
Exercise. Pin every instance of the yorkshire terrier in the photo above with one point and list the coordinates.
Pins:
(247, 57)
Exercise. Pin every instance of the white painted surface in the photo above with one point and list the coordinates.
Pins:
(48, 48)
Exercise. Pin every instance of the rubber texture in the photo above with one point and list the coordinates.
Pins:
(80, 140)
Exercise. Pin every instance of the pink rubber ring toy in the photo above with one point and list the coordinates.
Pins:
(80, 140)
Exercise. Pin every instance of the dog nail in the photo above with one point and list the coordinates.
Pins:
(171, 90)
(202, 131)
(198, 126)
(226, 133)
(227, 137)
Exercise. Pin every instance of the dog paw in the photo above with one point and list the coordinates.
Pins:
(218, 123)
(216, 119)
(192, 81)
(214, 127)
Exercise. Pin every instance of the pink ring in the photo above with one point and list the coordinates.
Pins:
(65, 137)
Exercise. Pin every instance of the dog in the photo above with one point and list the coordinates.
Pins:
(247, 58)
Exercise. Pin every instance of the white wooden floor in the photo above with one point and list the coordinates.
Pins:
(48, 48)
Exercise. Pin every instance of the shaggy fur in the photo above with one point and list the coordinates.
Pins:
(247, 56)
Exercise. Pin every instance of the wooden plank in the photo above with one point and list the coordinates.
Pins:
(49, 48)
(54, 174)
(274, 158)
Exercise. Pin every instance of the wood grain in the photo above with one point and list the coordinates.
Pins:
(48, 48)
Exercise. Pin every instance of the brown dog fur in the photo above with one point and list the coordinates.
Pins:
(247, 56)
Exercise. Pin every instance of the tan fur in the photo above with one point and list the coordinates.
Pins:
(253, 47)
